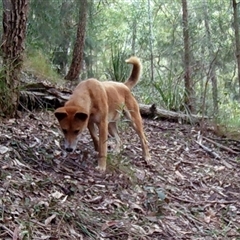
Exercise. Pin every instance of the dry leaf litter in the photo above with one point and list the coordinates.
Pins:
(186, 193)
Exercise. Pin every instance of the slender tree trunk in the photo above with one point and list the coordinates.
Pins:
(237, 40)
(60, 57)
(77, 58)
(134, 36)
(212, 71)
(14, 32)
(189, 93)
(151, 40)
(88, 56)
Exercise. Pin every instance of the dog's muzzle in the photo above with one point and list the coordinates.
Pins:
(69, 149)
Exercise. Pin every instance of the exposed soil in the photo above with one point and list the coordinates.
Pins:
(186, 192)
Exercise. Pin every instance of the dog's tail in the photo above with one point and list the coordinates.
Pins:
(136, 72)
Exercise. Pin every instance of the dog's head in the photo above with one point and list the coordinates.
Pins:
(72, 122)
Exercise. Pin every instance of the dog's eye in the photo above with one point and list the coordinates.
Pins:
(64, 131)
(76, 132)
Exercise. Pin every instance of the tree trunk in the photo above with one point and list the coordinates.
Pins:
(212, 66)
(14, 32)
(88, 56)
(77, 59)
(237, 40)
(60, 58)
(189, 93)
(134, 36)
(151, 41)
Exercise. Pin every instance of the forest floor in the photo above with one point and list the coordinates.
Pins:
(186, 192)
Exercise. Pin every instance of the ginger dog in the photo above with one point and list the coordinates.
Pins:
(100, 103)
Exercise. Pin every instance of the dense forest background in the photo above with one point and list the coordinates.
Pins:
(189, 50)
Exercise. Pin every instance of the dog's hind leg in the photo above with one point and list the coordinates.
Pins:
(113, 131)
(133, 114)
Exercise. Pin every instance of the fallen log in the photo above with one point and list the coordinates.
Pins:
(40, 95)
(154, 112)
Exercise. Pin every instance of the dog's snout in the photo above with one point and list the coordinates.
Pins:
(69, 149)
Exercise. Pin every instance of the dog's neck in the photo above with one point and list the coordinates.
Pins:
(79, 102)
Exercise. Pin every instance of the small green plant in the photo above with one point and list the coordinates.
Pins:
(170, 91)
(118, 70)
(118, 163)
(166, 92)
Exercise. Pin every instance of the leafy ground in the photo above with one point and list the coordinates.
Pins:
(185, 194)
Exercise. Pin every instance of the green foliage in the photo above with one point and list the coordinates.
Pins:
(118, 70)
(171, 92)
(40, 66)
(229, 115)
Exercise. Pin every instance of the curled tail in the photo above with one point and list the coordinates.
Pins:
(136, 72)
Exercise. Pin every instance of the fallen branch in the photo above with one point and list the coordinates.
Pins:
(155, 112)
(208, 150)
(203, 201)
(220, 146)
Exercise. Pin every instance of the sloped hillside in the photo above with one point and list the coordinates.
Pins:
(188, 192)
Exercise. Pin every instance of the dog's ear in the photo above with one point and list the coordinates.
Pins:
(81, 116)
(60, 114)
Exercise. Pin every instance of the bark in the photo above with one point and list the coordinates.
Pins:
(189, 93)
(237, 40)
(14, 32)
(77, 58)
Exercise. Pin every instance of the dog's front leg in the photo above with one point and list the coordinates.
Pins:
(93, 133)
(103, 134)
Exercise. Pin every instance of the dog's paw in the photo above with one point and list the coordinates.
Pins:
(101, 169)
(147, 159)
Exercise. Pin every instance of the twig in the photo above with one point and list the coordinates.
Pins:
(204, 201)
(226, 140)
(220, 145)
(208, 150)
(10, 232)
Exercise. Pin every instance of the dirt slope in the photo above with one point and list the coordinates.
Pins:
(185, 194)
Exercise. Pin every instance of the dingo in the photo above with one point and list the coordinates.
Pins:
(100, 103)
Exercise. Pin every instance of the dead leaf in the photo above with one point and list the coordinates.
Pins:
(108, 224)
(49, 219)
(179, 175)
(136, 206)
(57, 195)
(4, 149)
